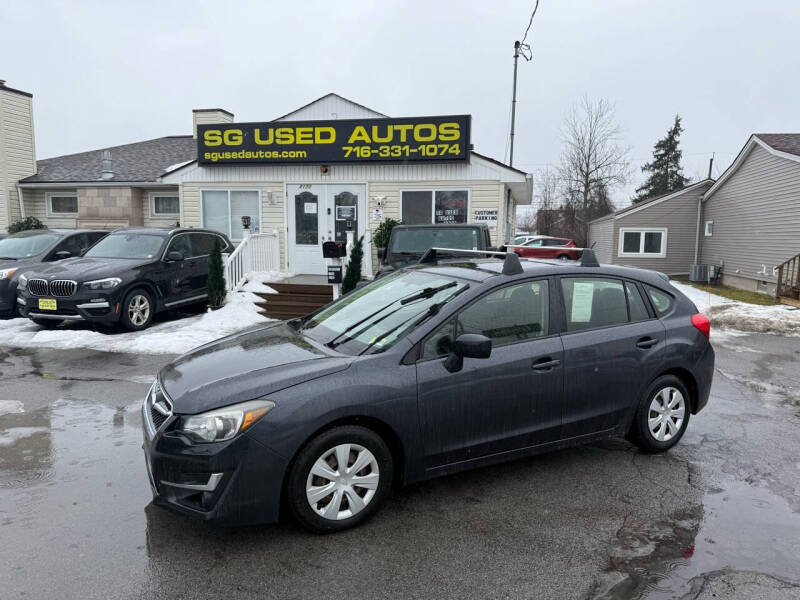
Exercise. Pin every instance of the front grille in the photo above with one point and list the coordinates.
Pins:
(159, 408)
(62, 288)
(37, 287)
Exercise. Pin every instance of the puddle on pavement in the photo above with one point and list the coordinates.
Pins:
(742, 528)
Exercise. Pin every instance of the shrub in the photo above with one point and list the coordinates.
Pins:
(26, 224)
(353, 274)
(216, 277)
(382, 233)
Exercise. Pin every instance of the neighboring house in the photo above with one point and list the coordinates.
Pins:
(160, 182)
(17, 153)
(750, 223)
(659, 233)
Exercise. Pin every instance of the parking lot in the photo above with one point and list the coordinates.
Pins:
(717, 515)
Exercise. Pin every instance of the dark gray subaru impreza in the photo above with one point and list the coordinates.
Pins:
(431, 370)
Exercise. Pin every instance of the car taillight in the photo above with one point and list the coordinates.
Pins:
(702, 324)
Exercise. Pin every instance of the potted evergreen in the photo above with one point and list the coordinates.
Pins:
(353, 274)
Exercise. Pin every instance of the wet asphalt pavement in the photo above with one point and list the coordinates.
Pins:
(719, 516)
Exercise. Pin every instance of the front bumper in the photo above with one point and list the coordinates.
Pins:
(84, 305)
(237, 482)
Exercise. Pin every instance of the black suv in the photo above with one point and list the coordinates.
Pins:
(27, 249)
(407, 243)
(125, 278)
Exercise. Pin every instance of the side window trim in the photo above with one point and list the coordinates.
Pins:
(647, 304)
(553, 331)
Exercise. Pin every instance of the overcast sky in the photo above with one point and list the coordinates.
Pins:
(107, 73)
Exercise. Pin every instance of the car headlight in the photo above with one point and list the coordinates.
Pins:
(6, 273)
(223, 423)
(103, 284)
(22, 281)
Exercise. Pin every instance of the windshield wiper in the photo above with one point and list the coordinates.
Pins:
(7, 258)
(432, 310)
(424, 293)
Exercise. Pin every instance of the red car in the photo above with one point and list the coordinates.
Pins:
(544, 246)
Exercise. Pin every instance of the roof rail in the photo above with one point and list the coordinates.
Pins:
(511, 264)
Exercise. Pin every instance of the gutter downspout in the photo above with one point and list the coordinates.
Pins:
(697, 230)
(21, 203)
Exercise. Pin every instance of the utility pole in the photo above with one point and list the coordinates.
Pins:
(513, 105)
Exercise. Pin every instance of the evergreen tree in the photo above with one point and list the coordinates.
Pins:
(216, 277)
(665, 173)
(353, 274)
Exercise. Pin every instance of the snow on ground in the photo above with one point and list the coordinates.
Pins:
(256, 281)
(742, 316)
(174, 336)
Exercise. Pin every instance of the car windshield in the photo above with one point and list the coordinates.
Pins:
(24, 246)
(127, 245)
(371, 319)
(419, 241)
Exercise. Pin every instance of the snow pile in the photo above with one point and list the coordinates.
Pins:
(256, 280)
(742, 316)
(166, 337)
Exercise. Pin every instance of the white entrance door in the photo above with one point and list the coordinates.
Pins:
(318, 213)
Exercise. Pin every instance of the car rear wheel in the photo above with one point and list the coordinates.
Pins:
(339, 479)
(47, 323)
(662, 416)
(137, 310)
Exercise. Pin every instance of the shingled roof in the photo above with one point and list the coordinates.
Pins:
(782, 142)
(138, 162)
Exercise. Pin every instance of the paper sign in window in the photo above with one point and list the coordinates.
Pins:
(310, 208)
(582, 296)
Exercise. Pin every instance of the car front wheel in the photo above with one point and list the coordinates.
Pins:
(137, 310)
(340, 479)
(662, 416)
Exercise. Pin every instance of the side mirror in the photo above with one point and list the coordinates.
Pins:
(381, 254)
(62, 254)
(468, 345)
(174, 256)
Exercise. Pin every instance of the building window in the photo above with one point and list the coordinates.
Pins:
(223, 211)
(709, 228)
(162, 204)
(421, 207)
(62, 204)
(644, 242)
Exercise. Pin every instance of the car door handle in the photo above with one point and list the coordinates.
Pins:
(545, 364)
(646, 343)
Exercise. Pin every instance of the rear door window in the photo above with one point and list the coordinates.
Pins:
(636, 304)
(203, 244)
(593, 302)
(181, 243)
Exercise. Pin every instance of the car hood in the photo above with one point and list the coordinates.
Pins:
(244, 366)
(86, 269)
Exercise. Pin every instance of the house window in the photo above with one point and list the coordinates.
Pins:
(62, 204)
(164, 205)
(421, 207)
(645, 242)
(223, 211)
(709, 228)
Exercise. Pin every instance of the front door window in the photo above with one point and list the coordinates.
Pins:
(345, 209)
(306, 216)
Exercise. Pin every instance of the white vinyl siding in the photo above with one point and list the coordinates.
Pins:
(17, 153)
(601, 235)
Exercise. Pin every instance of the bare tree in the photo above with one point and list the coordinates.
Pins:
(592, 163)
(547, 198)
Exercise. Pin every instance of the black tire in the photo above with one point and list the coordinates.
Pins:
(128, 318)
(300, 475)
(641, 434)
(47, 323)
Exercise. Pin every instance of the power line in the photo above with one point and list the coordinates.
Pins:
(530, 22)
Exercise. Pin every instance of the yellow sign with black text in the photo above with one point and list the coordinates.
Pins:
(420, 139)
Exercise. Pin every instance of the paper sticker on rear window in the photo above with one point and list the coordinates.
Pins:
(582, 296)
